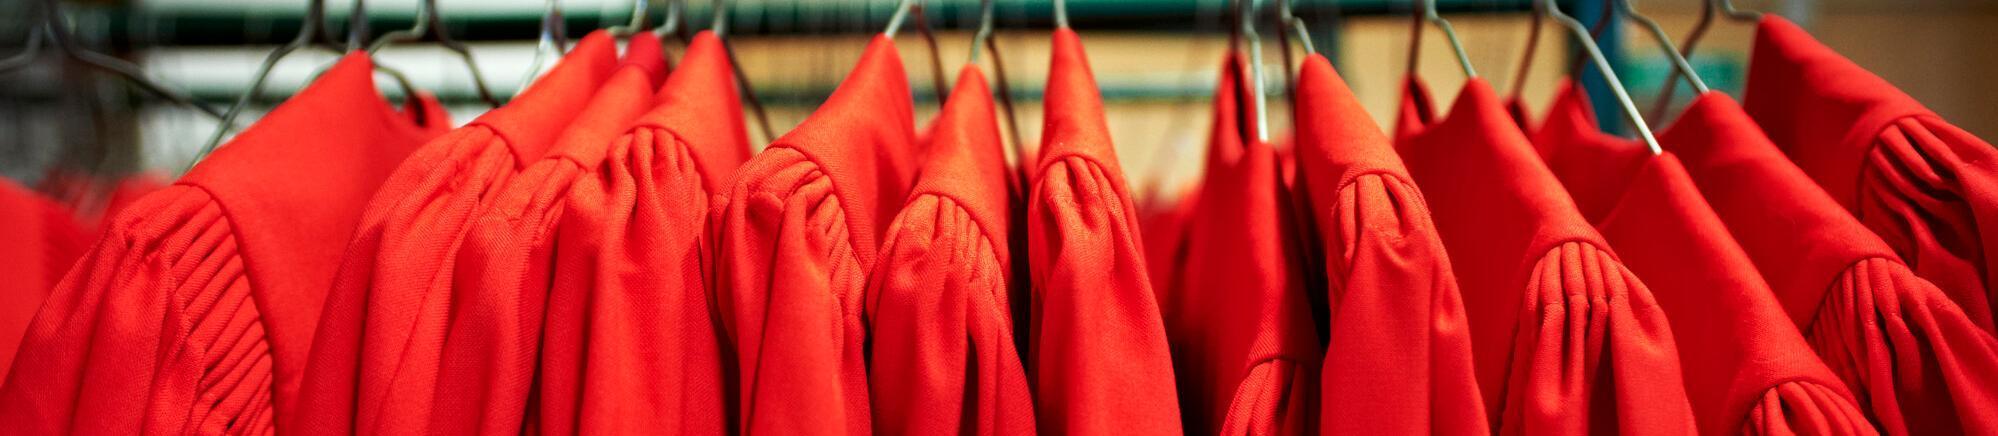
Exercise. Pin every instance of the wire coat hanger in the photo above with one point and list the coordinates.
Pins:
(29, 51)
(1708, 10)
(982, 39)
(430, 24)
(1595, 53)
(1247, 17)
(720, 30)
(56, 32)
(554, 37)
(1428, 14)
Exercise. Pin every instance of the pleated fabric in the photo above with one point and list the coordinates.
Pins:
(939, 302)
(386, 315)
(1398, 350)
(1916, 363)
(1098, 356)
(629, 345)
(194, 313)
(1750, 372)
(797, 236)
(1240, 329)
(1928, 188)
(1566, 340)
(501, 282)
(39, 240)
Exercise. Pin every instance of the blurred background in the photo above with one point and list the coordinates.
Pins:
(1157, 61)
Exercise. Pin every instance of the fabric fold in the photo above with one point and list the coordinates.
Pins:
(195, 311)
(1098, 356)
(384, 322)
(796, 238)
(629, 342)
(1914, 360)
(1928, 188)
(1747, 371)
(940, 299)
(1238, 322)
(1398, 351)
(1566, 340)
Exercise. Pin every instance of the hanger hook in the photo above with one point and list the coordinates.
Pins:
(1247, 17)
(1708, 9)
(638, 20)
(1595, 53)
(430, 22)
(901, 14)
(1428, 14)
(1061, 13)
(674, 21)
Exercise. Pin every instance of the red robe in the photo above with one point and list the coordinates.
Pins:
(1239, 324)
(940, 298)
(1916, 362)
(796, 237)
(195, 311)
(1750, 371)
(1398, 352)
(500, 289)
(384, 325)
(628, 345)
(1566, 340)
(1929, 189)
(39, 240)
(1097, 353)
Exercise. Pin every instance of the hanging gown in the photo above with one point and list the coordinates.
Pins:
(1565, 339)
(1097, 355)
(1751, 371)
(1241, 332)
(194, 312)
(384, 323)
(1398, 349)
(797, 236)
(1926, 187)
(1916, 363)
(39, 240)
(940, 298)
(501, 283)
(629, 346)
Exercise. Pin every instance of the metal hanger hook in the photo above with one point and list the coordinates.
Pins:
(1595, 53)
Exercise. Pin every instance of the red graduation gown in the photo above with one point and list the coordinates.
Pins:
(1566, 340)
(1240, 328)
(629, 346)
(385, 317)
(1398, 353)
(1750, 372)
(940, 298)
(39, 240)
(1916, 363)
(797, 236)
(194, 313)
(1929, 189)
(1098, 356)
(501, 282)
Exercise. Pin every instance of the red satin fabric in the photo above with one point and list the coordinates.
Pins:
(501, 283)
(1097, 354)
(1750, 371)
(194, 312)
(1398, 355)
(629, 345)
(1929, 189)
(1915, 362)
(39, 240)
(797, 237)
(385, 318)
(940, 299)
(1566, 340)
(1241, 332)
